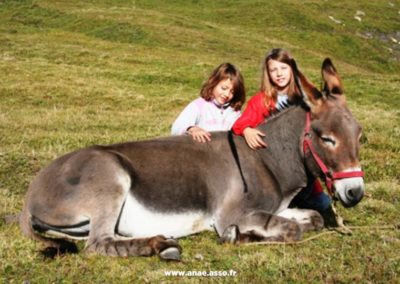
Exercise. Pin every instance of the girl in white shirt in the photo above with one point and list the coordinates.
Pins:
(221, 98)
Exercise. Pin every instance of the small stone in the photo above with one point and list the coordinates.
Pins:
(360, 13)
(199, 256)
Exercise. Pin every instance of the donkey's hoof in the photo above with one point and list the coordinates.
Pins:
(230, 235)
(171, 253)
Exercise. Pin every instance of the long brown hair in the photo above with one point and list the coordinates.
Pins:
(223, 72)
(267, 86)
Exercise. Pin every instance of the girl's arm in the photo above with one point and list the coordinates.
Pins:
(187, 123)
(199, 134)
(253, 138)
(186, 119)
(253, 115)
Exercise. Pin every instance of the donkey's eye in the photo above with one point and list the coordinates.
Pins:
(328, 141)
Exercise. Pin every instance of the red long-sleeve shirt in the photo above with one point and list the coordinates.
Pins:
(254, 114)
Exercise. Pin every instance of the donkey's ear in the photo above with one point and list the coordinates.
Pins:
(332, 82)
(311, 95)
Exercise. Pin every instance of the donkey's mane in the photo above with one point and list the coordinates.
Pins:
(279, 112)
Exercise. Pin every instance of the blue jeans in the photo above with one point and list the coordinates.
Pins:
(308, 199)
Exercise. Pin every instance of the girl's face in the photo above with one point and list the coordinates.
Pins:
(223, 92)
(280, 74)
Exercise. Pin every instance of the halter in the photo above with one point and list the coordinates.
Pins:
(328, 174)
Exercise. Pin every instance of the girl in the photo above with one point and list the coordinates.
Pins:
(278, 89)
(221, 98)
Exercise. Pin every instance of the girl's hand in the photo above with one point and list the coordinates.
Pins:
(253, 138)
(198, 134)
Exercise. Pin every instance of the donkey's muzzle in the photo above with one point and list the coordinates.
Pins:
(349, 191)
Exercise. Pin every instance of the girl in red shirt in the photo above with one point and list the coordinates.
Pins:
(278, 89)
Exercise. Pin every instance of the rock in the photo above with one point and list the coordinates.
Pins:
(360, 13)
(199, 256)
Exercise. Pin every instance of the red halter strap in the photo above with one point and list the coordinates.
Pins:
(329, 175)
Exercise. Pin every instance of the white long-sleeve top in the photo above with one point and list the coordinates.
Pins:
(205, 114)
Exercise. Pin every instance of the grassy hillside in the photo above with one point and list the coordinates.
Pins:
(75, 74)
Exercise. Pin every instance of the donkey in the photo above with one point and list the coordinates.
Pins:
(135, 198)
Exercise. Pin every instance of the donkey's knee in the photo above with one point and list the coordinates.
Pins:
(306, 218)
(230, 235)
(261, 226)
(282, 229)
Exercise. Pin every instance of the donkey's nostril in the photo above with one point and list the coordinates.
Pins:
(350, 193)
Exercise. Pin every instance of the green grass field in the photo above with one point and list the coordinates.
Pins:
(75, 74)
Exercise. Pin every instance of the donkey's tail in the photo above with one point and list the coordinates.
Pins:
(60, 245)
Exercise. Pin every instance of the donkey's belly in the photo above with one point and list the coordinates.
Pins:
(139, 221)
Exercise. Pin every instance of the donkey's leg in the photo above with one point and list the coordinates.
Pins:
(167, 249)
(309, 220)
(106, 196)
(110, 194)
(261, 226)
(104, 241)
(102, 238)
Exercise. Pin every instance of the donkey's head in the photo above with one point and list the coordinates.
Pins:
(333, 136)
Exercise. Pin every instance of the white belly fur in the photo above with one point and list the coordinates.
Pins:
(286, 201)
(138, 221)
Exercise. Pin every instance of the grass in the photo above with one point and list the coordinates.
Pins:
(75, 74)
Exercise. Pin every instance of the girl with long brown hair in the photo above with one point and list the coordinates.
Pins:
(278, 89)
(221, 98)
